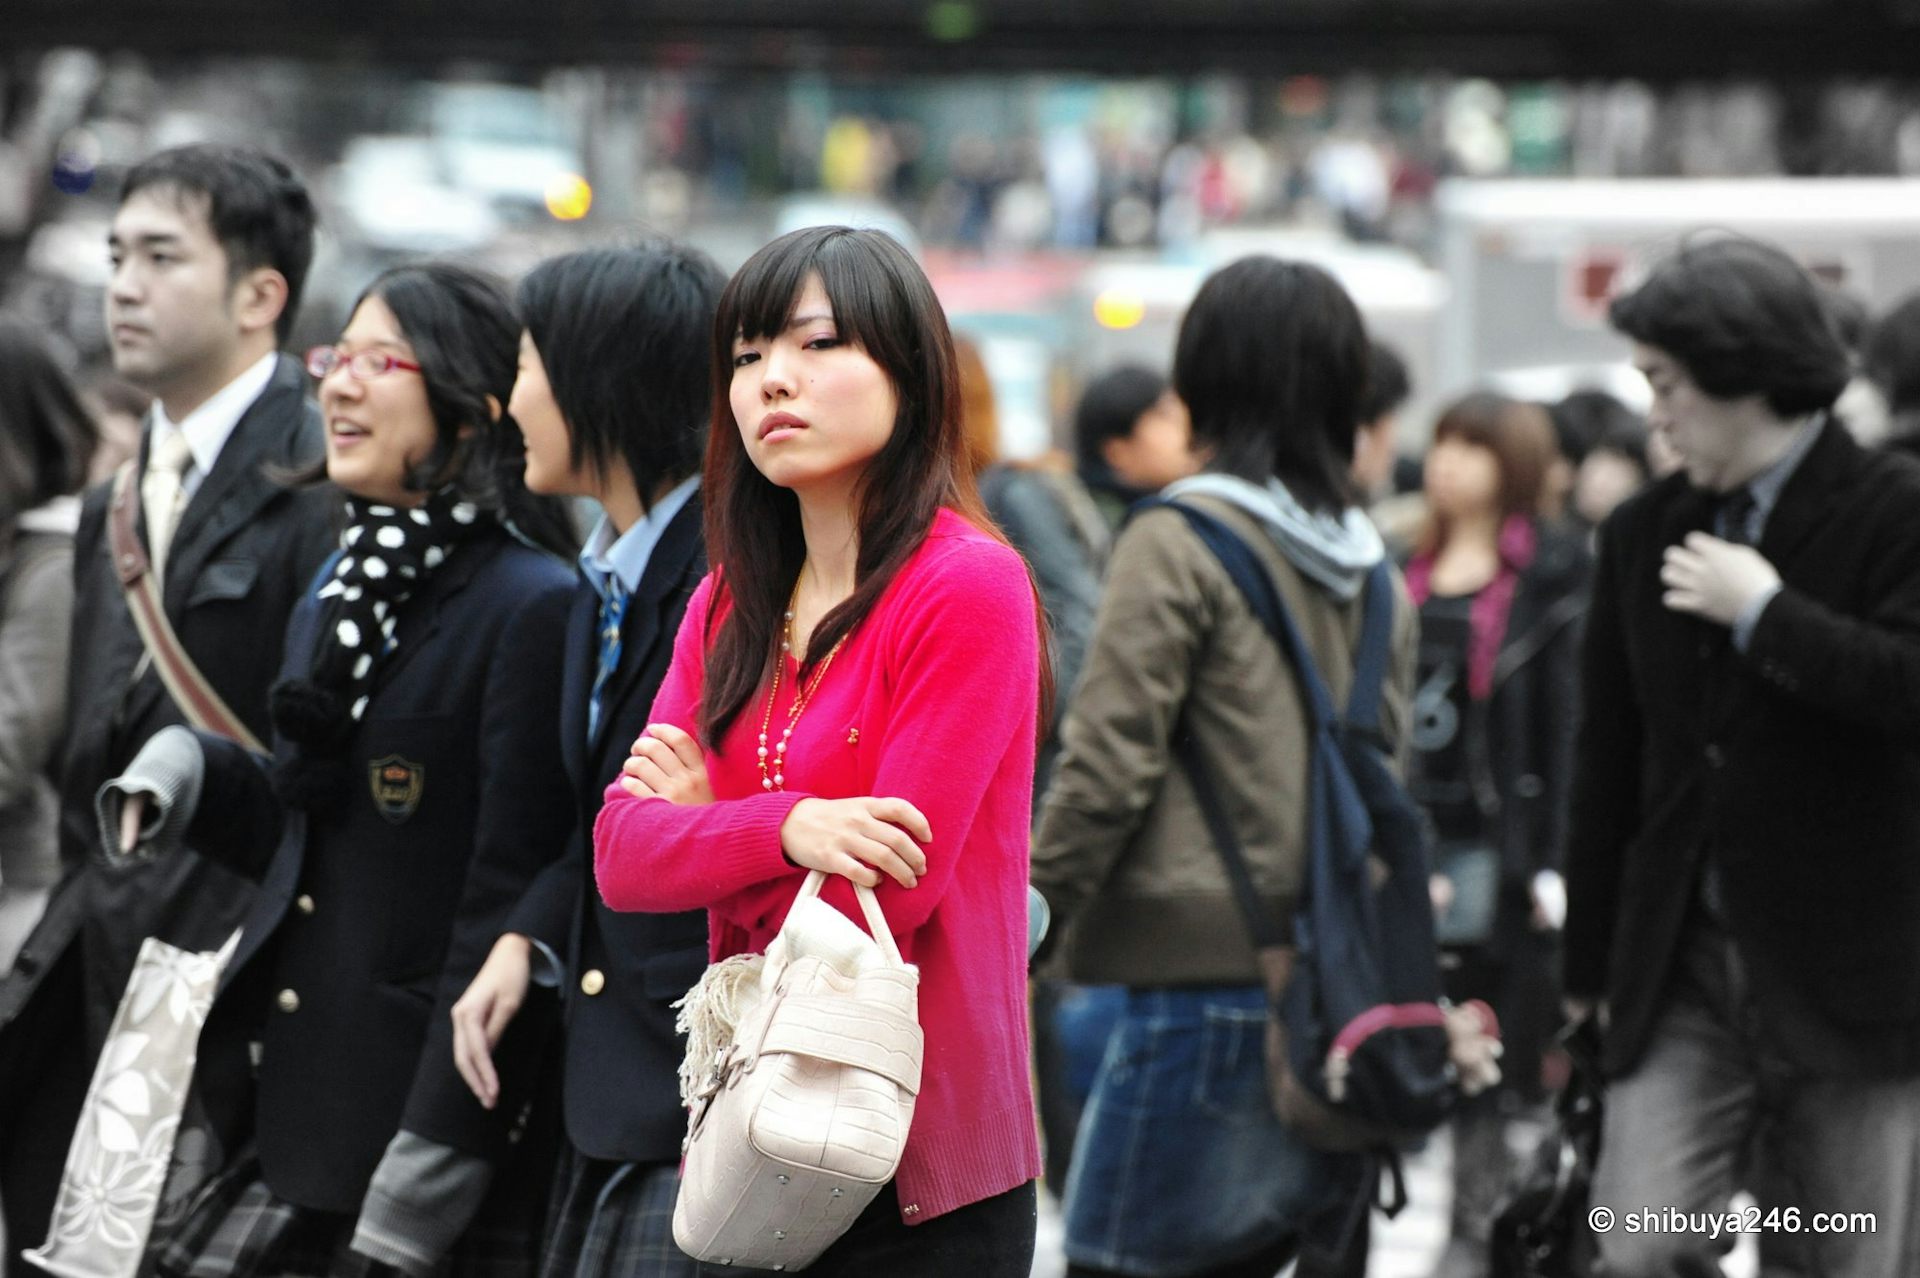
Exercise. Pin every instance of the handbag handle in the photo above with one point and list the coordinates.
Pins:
(869, 906)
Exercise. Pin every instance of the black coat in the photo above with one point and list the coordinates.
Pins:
(376, 908)
(245, 547)
(1795, 766)
(621, 1092)
(1520, 738)
(1519, 747)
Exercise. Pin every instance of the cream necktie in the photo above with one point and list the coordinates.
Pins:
(163, 494)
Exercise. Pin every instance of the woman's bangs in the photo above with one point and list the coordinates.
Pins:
(763, 295)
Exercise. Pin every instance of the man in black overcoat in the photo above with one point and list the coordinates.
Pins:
(1744, 857)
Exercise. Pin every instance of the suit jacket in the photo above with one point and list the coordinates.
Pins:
(376, 908)
(245, 546)
(1794, 767)
(620, 1087)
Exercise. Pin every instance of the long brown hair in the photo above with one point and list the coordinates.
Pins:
(883, 304)
(1520, 437)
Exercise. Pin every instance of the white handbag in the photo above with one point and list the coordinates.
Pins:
(801, 1072)
(117, 1163)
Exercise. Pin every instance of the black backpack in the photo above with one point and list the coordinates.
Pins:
(1357, 1043)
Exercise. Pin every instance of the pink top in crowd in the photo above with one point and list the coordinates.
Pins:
(933, 700)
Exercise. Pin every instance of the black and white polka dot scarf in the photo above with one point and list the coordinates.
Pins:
(386, 553)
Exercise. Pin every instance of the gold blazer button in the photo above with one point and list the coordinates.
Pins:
(593, 982)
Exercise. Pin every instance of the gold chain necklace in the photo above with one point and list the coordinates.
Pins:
(776, 778)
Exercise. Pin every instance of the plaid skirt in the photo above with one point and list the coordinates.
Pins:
(239, 1228)
(614, 1220)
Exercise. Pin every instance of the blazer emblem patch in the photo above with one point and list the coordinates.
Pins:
(397, 785)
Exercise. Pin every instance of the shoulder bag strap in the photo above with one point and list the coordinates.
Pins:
(189, 689)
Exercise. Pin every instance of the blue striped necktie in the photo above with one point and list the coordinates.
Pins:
(613, 612)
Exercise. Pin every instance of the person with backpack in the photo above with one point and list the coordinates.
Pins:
(1181, 1166)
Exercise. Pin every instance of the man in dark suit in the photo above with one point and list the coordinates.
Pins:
(1744, 889)
(210, 248)
(613, 398)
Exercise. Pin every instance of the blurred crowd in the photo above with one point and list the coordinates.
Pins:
(1624, 647)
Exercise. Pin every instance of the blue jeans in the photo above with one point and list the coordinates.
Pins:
(1180, 1165)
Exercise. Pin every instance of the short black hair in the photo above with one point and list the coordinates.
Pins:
(1272, 362)
(625, 335)
(1586, 417)
(46, 436)
(257, 207)
(1890, 355)
(1110, 408)
(1387, 383)
(1742, 318)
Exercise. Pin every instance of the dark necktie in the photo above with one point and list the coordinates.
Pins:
(613, 613)
(1736, 517)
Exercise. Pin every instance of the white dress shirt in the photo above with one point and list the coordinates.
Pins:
(209, 426)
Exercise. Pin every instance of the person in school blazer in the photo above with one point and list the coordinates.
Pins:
(413, 802)
(370, 906)
(629, 967)
(613, 398)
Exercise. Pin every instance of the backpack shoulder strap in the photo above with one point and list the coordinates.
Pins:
(1255, 584)
(1370, 658)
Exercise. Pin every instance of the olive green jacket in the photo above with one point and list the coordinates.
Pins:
(1122, 853)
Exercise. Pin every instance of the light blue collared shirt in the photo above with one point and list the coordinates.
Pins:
(1765, 488)
(626, 556)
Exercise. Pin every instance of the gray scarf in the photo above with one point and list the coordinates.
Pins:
(1337, 552)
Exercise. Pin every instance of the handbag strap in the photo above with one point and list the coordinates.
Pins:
(190, 691)
(869, 907)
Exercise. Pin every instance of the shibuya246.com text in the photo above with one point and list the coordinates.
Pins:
(1713, 1224)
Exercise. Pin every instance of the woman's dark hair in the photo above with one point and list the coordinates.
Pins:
(1109, 409)
(1272, 363)
(1890, 356)
(623, 333)
(256, 207)
(46, 435)
(467, 341)
(1520, 437)
(883, 304)
(1743, 319)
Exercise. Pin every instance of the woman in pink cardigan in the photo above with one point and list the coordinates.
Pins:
(856, 689)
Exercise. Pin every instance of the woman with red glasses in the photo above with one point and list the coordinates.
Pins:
(399, 818)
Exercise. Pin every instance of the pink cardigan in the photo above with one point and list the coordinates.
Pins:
(933, 699)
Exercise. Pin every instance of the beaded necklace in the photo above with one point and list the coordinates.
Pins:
(777, 778)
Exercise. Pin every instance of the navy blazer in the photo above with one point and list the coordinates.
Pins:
(620, 1087)
(376, 910)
